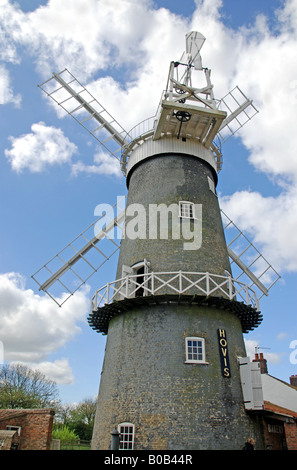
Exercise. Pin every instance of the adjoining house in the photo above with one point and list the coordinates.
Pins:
(273, 401)
(26, 429)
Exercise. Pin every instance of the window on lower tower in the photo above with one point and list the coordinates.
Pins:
(195, 350)
(126, 431)
(186, 209)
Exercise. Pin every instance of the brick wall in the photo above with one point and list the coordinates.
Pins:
(291, 435)
(36, 427)
(280, 429)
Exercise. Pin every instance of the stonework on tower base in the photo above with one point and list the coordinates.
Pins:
(171, 402)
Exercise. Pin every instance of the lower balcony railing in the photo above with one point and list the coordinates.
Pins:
(178, 283)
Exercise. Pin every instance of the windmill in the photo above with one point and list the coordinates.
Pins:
(158, 158)
(212, 130)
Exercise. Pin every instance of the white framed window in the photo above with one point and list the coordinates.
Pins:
(14, 428)
(187, 210)
(126, 431)
(195, 350)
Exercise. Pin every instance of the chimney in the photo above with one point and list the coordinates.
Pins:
(263, 363)
(293, 380)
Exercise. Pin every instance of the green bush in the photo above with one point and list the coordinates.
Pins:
(64, 434)
(83, 430)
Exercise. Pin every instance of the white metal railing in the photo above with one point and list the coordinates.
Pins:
(139, 133)
(141, 128)
(177, 282)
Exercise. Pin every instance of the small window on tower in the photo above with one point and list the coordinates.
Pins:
(211, 185)
(187, 210)
(126, 431)
(195, 350)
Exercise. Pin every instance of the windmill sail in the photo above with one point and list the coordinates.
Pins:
(79, 103)
(71, 268)
(240, 110)
(247, 263)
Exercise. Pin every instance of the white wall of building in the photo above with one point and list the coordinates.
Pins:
(279, 393)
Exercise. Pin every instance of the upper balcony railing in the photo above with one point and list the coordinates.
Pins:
(178, 283)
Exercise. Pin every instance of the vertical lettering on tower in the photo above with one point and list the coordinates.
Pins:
(224, 355)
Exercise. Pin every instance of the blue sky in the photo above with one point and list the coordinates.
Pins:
(52, 173)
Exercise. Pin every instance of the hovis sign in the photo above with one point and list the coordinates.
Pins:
(223, 347)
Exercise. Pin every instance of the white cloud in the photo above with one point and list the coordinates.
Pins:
(88, 36)
(81, 35)
(262, 62)
(287, 15)
(44, 146)
(282, 335)
(271, 81)
(33, 326)
(59, 371)
(270, 221)
(6, 92)
(104, 163)
(9, 23)
(252, 347)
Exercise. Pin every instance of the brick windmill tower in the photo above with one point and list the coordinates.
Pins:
(176, 313)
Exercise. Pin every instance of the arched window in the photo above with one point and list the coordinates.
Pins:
(126, 431)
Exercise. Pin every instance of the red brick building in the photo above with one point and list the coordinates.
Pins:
(279, 415)
(26, 429)
(280, 428)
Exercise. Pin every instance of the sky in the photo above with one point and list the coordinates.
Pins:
(53, 174)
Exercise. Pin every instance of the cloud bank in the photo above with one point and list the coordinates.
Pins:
(33, 326)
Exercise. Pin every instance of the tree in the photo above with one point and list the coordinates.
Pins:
(82, 418)
(63, 413)
(22, 387)
(85, 411)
